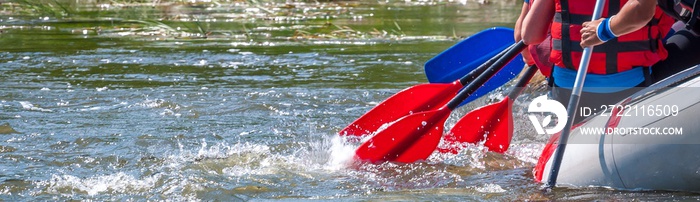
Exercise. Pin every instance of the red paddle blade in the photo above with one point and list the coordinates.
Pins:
(407, 140)
(419, 98)
(492, 122)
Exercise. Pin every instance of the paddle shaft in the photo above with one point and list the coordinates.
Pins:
(573, 103)
(524, 80)
(486, 75)
(483, 67)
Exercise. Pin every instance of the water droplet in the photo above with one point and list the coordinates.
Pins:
(424, 123)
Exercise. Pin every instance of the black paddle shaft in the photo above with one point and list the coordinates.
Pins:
(482, 68)
(481, 79)
(518, 88)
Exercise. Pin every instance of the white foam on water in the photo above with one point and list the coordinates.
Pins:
(341, 153)
(240, 171)
(223, 150)
(243, 159)
(29, 106)
(91, 109)
(151, 103)
(489, 188)
(329, 153)
(114, 183)
(529, 153)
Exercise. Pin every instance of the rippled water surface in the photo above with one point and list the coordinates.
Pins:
(237, 101)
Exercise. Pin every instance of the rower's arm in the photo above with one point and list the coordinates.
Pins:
(634, 15)
(537, 21)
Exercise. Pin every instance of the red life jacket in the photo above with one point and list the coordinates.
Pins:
(643, 47)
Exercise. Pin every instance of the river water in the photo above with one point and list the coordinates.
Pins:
(238, 101)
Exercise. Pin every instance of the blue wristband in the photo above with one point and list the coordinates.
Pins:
(604, 33)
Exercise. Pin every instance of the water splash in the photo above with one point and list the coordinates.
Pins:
(101, 184)
(341, 154)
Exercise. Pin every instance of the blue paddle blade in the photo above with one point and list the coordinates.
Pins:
(465, 56)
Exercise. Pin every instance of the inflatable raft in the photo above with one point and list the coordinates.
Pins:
(624, 149)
